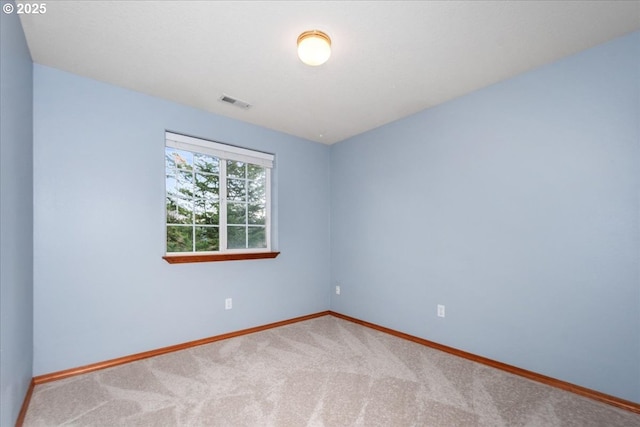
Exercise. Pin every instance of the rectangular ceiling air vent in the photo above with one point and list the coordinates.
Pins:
(233, 101)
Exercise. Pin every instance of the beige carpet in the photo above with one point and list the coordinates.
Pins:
(320, 372)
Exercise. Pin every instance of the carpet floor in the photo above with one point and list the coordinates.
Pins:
(320, 372)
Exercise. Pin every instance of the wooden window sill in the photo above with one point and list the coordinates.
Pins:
(182, 259)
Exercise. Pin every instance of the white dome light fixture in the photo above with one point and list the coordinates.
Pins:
(314, 47)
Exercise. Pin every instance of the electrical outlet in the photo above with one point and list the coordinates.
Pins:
(228, 304)
(337, 289)
(440, 310)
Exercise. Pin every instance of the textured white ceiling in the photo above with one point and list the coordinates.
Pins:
(390, 59)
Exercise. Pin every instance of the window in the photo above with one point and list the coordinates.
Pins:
(218, 198)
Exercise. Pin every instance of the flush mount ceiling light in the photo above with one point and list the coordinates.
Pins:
(314, 47)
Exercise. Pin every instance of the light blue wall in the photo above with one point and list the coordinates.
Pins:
(16, 216)
(102, 289)
(518, 208)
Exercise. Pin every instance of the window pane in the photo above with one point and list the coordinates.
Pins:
(236, 189)
(179, 211)
(255, 172)
(236, 169)
(179, 239)
(179, 183)
(256, 192)
(207, 212)
(207, 186)
(236, 213)
(257, 237)
(178, 159)
(171, 183)
(236, 237)
(256, 214)
(207, 239)
(206, 163)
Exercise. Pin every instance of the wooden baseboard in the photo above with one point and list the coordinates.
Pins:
(25, 404)
(40, 379)
(582, 391)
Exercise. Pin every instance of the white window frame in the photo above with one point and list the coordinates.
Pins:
(224, 152)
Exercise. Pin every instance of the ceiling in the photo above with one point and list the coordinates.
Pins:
(389, 59)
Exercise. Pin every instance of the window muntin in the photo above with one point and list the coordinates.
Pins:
(217, 197)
